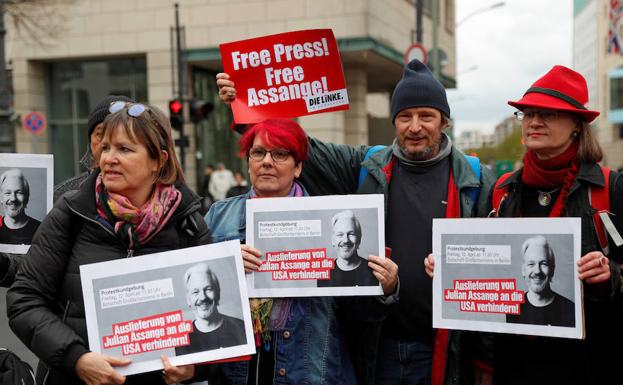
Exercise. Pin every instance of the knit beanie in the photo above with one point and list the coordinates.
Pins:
(419, 88)
(100, 111)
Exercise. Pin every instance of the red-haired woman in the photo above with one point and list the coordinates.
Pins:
(302, 342)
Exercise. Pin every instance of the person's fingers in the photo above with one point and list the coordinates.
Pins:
(116, 361)
(115, 377)
(589, 257)
(598, 278)
(174, 374)
(250, 267)
(380, 277)
(429, 265)
(223, 80)
(592, 260)
(250, 249)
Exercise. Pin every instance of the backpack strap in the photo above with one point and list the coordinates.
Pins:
(499, 194)
(363, 171)
(599, 199)
(474, 192)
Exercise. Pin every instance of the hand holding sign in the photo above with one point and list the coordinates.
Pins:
(285, 75)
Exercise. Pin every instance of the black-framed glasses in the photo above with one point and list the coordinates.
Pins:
(279, 155)
(135, 110)
(546, 115)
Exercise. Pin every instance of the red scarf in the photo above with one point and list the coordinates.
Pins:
(547, 174)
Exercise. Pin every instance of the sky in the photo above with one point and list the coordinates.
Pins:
(501, 52)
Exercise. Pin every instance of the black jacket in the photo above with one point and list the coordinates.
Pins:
(45, 304)
(590, 360)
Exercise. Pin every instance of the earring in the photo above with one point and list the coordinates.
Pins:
(575, 134)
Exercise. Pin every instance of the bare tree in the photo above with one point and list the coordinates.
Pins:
(42, 21)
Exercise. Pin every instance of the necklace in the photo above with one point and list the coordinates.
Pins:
(545, 197)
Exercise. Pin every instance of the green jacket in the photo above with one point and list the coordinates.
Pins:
(334, 169)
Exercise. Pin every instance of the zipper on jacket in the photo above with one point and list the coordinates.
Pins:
(97, 223)
(130, 253)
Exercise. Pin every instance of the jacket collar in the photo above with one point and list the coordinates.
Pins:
(380, 166)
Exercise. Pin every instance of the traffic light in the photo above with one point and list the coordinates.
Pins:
(199, 110)
(176, 114)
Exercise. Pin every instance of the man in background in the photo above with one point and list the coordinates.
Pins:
(220, 181)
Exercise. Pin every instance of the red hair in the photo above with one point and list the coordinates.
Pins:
(277, 133)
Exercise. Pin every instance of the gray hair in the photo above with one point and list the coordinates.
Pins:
(203, 268)
(541, 242)
(16, 172)
(347, 214)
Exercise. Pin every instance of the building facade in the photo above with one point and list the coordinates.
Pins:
(598, 55)
(125, 47)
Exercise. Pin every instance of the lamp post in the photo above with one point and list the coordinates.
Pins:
(480, 10)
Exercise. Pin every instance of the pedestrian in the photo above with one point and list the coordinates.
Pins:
(241, 186)
(220, 181)
(300, 338)
(136, 203)
(422, 176)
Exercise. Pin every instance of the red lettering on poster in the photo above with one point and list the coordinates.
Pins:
(311, 264)
(485, 295)
(157, 332)
(285, 75)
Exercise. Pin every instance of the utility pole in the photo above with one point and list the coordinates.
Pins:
(419, 6)
(181, 85)
(6, 128)
(435, 55)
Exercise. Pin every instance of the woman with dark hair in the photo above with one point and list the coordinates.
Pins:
(136, 203)
(559, 178)
(300, 338)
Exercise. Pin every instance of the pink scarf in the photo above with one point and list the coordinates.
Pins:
(138, 225)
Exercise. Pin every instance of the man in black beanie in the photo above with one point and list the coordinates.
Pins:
(423, 176)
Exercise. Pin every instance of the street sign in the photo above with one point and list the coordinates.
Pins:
(416, 51)
(34, 122)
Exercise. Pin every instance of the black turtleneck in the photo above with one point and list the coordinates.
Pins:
(416, 196)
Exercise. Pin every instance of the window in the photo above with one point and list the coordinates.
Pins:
(616, 93)
(74, 89)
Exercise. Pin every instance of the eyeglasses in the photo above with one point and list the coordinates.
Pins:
(279, 155)
(135, 110)
(545, 115)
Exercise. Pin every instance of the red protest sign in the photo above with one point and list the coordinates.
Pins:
(285, 75)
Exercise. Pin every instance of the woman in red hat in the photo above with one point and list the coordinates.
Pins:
(559, 175)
